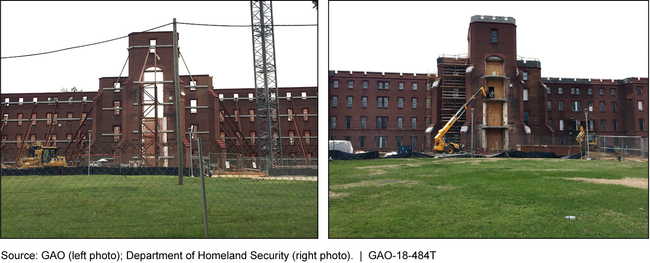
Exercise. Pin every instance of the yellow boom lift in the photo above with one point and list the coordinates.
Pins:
(441, 143)
(591, 139)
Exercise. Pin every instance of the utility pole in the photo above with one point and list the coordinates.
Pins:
(177, 101)
(472, 128)
(587, 133)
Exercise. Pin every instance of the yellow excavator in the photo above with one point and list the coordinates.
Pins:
(591, 139)
(38, 155)
(441, 143)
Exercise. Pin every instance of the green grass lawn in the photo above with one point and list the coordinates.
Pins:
(113, 206)
(485, 198)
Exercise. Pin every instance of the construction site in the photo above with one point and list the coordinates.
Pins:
(487, 101)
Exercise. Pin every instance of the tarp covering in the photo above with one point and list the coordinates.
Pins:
(520, 154)
(410, 155)
(344, 146)
(340, 155)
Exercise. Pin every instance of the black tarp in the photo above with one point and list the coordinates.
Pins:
(339, 155)
(410, 155)
(520, 154)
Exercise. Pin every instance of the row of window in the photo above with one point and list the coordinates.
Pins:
(381, 122)
(601, 91)
(251, 115)
(35, 99)
(251, 96)
(292, 137)
(575, 105)
(32, 138)
(51, 119)
(382, 102)
(381, 141)
(381, 85)
(575, 124)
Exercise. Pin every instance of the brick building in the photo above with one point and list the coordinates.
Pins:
(522, 107)
(133, 116)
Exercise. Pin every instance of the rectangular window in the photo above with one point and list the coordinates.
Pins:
(613, 91)
(413, 141)
(363, 122)
(252, 137)
(639, 90)
(382, 122)
(380, 141)
(221, 115)
(415, 86)
(577, 91)
(573, 91)
(575, 106)
(116, 105)
(235, 96)
(640, 105)
(561, 140)
(494, 35)
(365, 84)
(613, 106)
(307, 137)
(525, 75)
(7, 101)
(20, 101)
(291, 135)
(336, 84)
(560, 91)
(602, 106)
(152, 46)
(525, 94)
(19, 138)
(401, 86)
(364, 102)
(289, 114)
(615, 125)
(399, 122)
(641, 124)
(550, 122)
(304, 95)
(382, 102)
(382, 85)
(414, 122)
(49, 118)
(349, 101)
(192, 106)
(414, 101)
(398, 139)
(548, 90)
(362, 141)
(526, 116)
(56, 118)
(32, 137)
(34, 119)
(591, 106)
(590, 91)
(192, 84)
(335, 101)
(601, 92)
(603, 125)
(236, 112)
(428, 102)
(400, 102)
(560, 105)
(348, 122)
(288, 96)
(350, 84)
(116, 133)
(561, 125)
(333, 122)
(20, 119)
(549, 105)
(68, 136)
(305, 114)
(251, 118)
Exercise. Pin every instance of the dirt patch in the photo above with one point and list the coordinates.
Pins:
(446, 187)
(388, 166)
(372, 183)
(473, 161)
(338, 195)
(629, 182)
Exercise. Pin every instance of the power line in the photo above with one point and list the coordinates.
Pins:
(87, 45)
(197, 24)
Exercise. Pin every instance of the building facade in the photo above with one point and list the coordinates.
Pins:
(522, 107)
(132, 119)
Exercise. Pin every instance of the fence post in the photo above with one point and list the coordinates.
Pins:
(90, 134)
(205, 207)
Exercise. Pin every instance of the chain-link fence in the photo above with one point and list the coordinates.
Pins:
(625, 147)
(123, 189)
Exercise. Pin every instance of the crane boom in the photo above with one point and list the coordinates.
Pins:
(439, 145)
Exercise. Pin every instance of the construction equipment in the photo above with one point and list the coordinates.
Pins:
(38, 155)
(441, 143)
(592, 140)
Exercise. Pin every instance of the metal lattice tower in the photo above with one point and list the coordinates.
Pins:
(266, 89)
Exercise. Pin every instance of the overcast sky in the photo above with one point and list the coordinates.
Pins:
(571, 39)
(224, 53)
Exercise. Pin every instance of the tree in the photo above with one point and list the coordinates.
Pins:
(315, 4)
(74, 89)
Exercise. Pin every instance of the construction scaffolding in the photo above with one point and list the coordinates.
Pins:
(453, 86)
